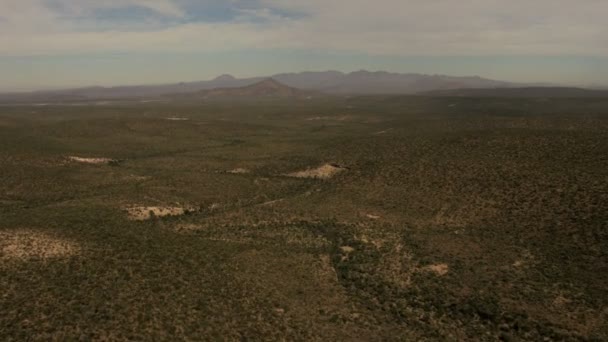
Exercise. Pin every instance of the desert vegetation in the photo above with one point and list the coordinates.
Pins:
(418, 218)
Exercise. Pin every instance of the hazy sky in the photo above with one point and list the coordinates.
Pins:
(59, 43)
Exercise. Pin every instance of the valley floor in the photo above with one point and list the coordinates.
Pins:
(364, 218)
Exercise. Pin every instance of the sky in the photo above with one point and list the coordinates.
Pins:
(47, 44)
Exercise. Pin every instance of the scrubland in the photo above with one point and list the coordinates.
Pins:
(362, 218)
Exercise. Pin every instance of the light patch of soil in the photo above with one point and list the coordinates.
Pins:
(188, 227)
(322, 172)
(561, 301)
(272, 202)
(525, 260)
(438, 269)
(325, 269)
(93, 161)
(347, 249)
(27, 245)
(385, 131)
(377, 243)
(239, 171)
(518, 263)
(147, 213)
(177, 119)
(334, 118)
(372, 217)
(460, 216)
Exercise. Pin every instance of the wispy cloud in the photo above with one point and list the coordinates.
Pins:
(383, 27)
(88, 7)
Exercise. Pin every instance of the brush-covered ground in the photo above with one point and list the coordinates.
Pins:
(429, 219)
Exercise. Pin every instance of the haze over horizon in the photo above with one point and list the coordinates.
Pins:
(65, 43)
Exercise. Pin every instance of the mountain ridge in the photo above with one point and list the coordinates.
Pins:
(268, 87)
(331, 82)
(361, 82)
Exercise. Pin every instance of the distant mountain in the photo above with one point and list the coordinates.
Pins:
(330, 82)
(262, 89)
(381, 82)
(529, 92)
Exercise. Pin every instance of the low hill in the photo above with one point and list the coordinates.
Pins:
(529, 92)
(266, 88)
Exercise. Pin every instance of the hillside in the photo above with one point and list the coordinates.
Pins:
(266, 88)
(529, 92)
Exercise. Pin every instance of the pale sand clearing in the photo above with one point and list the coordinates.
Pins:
(177, 119)
(29, 244)
(239, 171)
(438, 269)
(322, 172)
(146, 213)
(96, 161)
(272, 202)
(335, 118)
(347, 249)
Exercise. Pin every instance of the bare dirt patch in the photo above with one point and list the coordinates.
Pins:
(322, 172)
(147, 213)
(269, 203)
(347, 249)
(330, 118)
(438, 269)
(28, 244)
(239, 171)
(372, 217)
(177, 119)
(92, 161)
(384, 131)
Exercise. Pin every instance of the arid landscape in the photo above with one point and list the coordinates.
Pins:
(304, 170)
(235, 214)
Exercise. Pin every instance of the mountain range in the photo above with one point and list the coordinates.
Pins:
(306, 83)
(265, 88)
(330, 82)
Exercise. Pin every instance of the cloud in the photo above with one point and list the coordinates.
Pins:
(87, 7)
(382, 27)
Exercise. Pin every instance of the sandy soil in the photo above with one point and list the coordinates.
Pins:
(239, 171)
(335, 118)
(385, 131)
(439, 269)
(322, 172)
(146, 213)
(96, 161)
(28, 244)
(347, 249)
